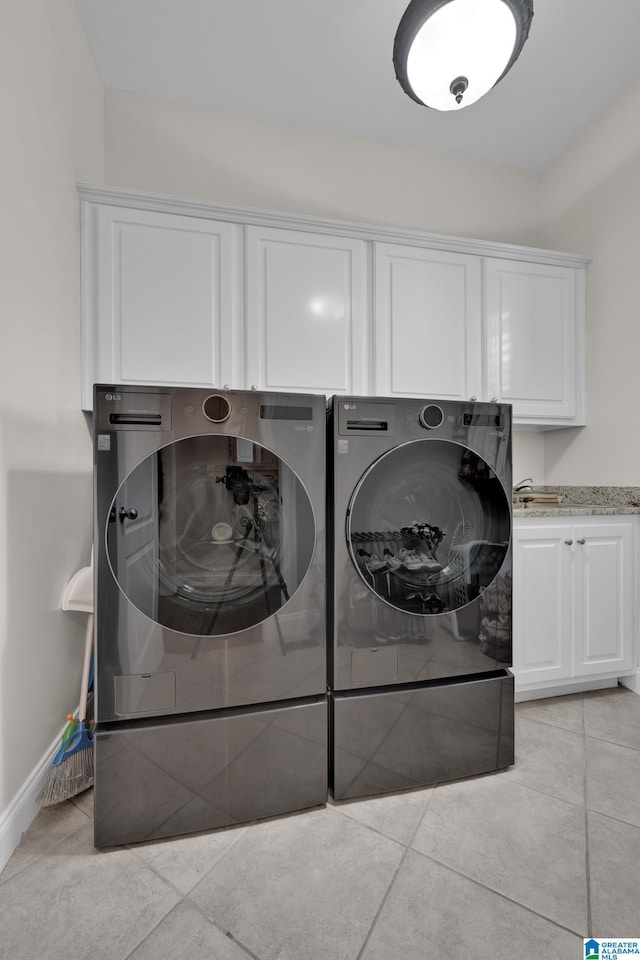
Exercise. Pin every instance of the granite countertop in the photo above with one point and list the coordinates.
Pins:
(580, 502)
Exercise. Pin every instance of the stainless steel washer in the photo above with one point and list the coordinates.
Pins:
(421, 585)
(211, 700)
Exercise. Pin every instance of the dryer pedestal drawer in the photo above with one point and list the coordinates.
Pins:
(398, 738)
(160, 779)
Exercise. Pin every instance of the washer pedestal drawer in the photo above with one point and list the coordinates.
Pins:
(163, 778)
(399, 738)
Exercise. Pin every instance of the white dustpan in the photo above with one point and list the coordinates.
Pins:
(78, 593)
(72, 768)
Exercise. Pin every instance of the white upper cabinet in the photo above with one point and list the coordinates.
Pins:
(161, 300)
(306, 312)
(427, 323)
(534, 316)
(178, 292)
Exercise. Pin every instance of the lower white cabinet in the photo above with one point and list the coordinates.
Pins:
(574, 602)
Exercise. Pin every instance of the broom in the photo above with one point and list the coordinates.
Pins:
(71, 771)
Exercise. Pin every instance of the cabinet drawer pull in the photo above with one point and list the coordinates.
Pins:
(568, 542)
(473, 397)
(581, 540)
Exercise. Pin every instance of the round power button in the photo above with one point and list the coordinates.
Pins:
(431, 416)
(216, 408)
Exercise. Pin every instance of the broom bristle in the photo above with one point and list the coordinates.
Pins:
(69, 778)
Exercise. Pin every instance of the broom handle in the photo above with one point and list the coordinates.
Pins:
(84, 692)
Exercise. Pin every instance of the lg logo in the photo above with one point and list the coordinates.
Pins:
(112, 396)
(350, 406)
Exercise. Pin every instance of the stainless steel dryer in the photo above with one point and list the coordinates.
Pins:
(211, 702)
(421, 585)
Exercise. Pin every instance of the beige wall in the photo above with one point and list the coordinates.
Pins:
(592, 204)
(51, 104)
(186, 151)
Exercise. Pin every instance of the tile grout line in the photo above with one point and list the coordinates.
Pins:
(496, 893)
(227, 934)
(458, 873)
(91, 953)
(380, 833)
(613, 743)
(542, 793)
(582, 734)
(186, 898)
(554, 726)
(46, 850)
(387, 894)
(587, 857)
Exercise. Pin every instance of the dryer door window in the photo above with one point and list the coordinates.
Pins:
(428, 526)
(210, 535)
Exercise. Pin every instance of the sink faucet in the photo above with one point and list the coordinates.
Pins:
(525, 484)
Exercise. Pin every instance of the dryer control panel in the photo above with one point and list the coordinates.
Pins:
(362, 419)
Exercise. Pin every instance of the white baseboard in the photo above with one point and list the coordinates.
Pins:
(562, 689)
(632, 682)
(17, 817)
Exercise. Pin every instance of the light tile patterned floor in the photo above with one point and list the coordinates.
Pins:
(518, 865)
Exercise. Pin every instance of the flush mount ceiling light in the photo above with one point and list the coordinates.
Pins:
(449, 53)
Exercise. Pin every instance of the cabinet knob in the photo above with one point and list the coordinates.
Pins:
(494, 399)
(568, 542)
(227, 386)
(581, 540)
(473, 397)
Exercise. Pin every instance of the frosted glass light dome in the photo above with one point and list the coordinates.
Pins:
(449, 53)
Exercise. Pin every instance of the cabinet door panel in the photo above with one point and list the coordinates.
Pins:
(604, 591)
(533, 339)
(152, 309)
(164, 282)
(427, 323)
(306, 312)
(541, 604)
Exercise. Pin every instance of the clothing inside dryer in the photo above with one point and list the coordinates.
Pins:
(428, 526)
(217, 533)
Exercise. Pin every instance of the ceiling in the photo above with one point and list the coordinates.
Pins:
(328, 64)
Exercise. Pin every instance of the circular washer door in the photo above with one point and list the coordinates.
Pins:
(210, 535)
(428, 526)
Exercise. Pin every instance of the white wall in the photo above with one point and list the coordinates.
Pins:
(592, 204)
(528, 456)
(51, 104)
(172, 148)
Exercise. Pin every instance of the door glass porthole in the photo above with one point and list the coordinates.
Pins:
(428, 526)
(210, 535)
